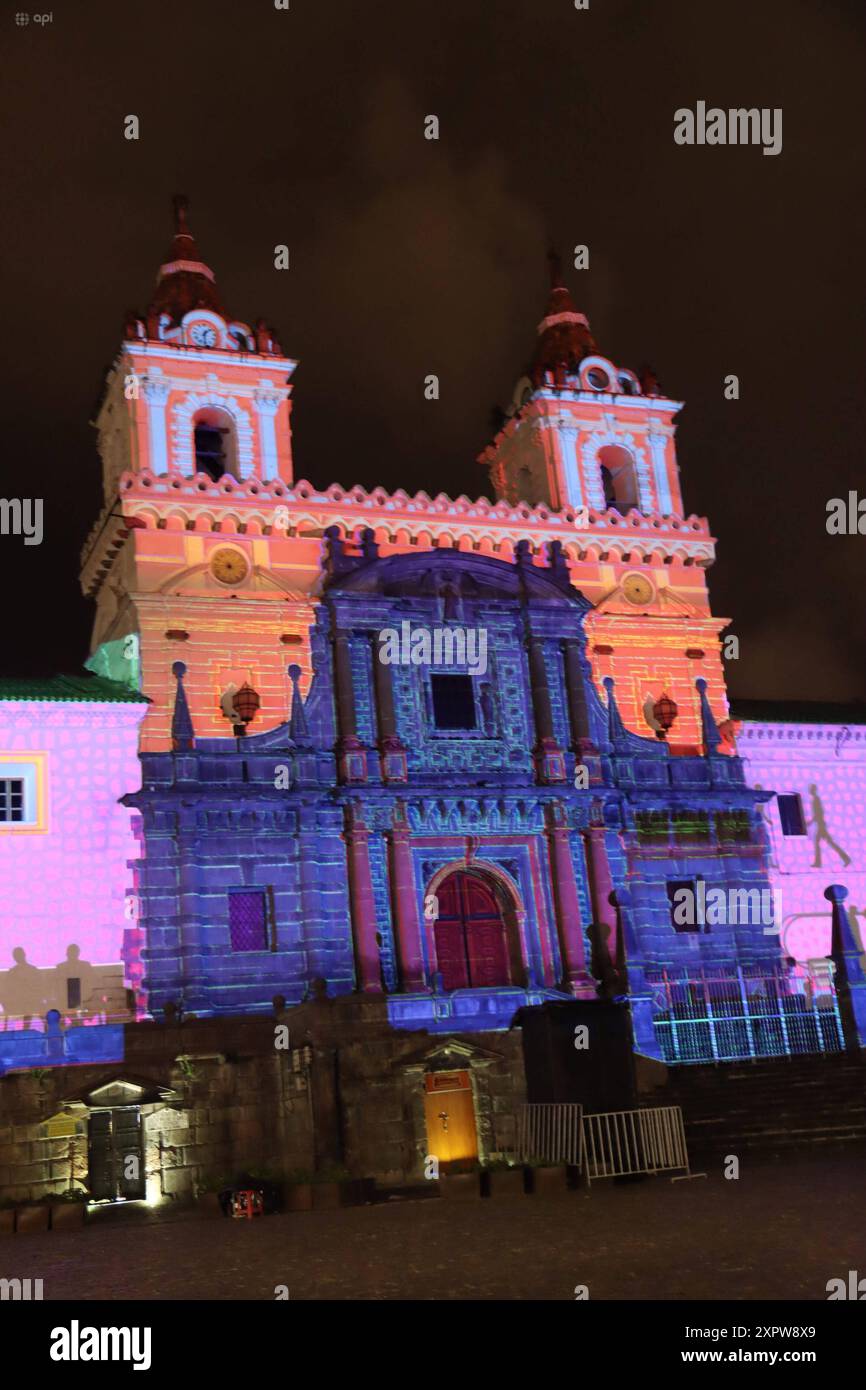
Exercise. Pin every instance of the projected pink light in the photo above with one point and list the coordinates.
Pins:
(824, 765)
(65, 942)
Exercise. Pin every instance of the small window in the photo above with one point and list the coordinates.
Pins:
(248, 921)
(73, 992)
(652, 827)
(733, 827)
(598, 379)
(210, 451)
(12, 799)
(692, 827)
(683, 897)
(791, 814)
(453, 702)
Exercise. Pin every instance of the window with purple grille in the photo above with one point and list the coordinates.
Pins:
(248, 921)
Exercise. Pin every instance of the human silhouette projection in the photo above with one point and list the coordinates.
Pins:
(74, 977)
(21, 989)
(821, 832)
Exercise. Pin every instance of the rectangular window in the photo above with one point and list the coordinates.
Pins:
(652, 827)
(683, 897)
(791, 814)
(73, 992)
(453, 702)
(692, 826)
(23, 802)
(248, 921)
(733, 827)
(12, 799)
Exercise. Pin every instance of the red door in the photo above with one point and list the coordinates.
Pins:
(470, 934)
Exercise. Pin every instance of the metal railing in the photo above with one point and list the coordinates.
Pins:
(550, 1133)
(612, 1144)
(720, 1016)
(623, 1143)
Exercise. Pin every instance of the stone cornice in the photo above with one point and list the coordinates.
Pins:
(276, 508)
(759, 731)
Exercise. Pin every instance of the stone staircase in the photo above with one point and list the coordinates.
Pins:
(771, 1103)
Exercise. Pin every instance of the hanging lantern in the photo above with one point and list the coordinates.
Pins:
(246, 701)
(665, 712)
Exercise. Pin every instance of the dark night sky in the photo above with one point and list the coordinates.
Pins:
(410, 257)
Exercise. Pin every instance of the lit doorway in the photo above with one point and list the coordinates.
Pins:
(449, 1110)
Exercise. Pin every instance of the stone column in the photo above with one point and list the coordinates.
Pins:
(352, 757)
(391, 748)
(407, 929)
(601, 885)
(849, 977)
(549, 760)
(363, 903)
(575, 685)
(267, 404)
(576, 976)
(156, 393)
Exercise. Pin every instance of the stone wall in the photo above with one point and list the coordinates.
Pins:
(218, 1097)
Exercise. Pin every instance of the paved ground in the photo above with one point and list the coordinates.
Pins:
(779, 1232)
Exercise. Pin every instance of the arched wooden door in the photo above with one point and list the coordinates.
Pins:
(471, 946)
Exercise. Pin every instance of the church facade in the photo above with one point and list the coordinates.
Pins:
(408, 764)
(404, 745)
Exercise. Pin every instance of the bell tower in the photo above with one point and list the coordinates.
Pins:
(582, 432)
(594, 442)
(194, 431)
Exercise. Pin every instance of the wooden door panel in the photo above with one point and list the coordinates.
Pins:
(451, 955)
(488, 956)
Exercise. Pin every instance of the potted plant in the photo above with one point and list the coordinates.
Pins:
(68, 1210)
(461, 1182)
(297, 1191)
(547, 1179)
(7, 1218)
(209, 1197)
(503, 1179)
(326, 1184)
(34, 1216)
(357, 1192)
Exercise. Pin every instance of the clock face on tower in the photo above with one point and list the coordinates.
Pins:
(229, 566)
(203, 335)
(637, 590)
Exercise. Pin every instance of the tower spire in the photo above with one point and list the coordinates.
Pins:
(184, 280)
(564, 337)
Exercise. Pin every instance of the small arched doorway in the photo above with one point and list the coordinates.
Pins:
(471, 940)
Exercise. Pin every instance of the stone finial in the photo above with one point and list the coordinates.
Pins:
(616, 730)
(369, 545)
(182, 733)
(712, 737)
(559, 565)
(523, 553)
(299, 731)
(337, 562)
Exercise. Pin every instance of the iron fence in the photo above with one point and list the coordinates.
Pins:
(549, 1132)
(729, 1015)
(612, 1144)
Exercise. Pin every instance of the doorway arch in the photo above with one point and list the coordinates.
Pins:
(476, 930)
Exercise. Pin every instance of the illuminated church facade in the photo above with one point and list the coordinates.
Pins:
(390, 768)
(440, 833)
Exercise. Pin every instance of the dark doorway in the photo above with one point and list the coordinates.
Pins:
(471, 946)
(116, 1154)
